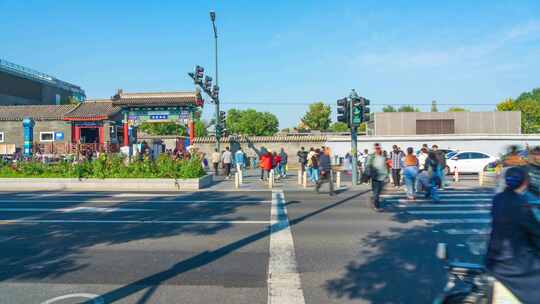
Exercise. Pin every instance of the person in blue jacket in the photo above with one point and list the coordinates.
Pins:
(513, 255)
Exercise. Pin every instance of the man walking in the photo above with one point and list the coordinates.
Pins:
(216, 158)
(302, 159)
(325, 168)
(283, 163)
(226, 158)
(441, 160)
(377, 170)
(396, 156)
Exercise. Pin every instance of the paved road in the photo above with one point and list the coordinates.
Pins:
(220, 247)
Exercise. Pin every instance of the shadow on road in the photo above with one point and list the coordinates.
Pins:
(37, 251)
(204, 258)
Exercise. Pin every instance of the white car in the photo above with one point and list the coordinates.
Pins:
(468, 162)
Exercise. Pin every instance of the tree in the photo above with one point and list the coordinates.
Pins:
(251, 122)
(163, 128)
(408, 108)
(389, 108)
(434, 106)
(339, 127)
(457, 109)
(318, 116)
(200, 129)
(529, 105)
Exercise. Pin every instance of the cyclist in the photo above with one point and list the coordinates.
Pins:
(513, 255)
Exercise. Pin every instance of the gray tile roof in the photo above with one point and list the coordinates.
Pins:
(156, 99)
(36, 112)
(93, 109)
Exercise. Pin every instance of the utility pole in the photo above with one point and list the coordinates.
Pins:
(218, 134)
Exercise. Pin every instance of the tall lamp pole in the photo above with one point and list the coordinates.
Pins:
(353, 96)
(213, 19)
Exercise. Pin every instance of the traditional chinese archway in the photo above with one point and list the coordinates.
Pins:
(178, 107)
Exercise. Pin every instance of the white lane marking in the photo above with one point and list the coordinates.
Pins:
(442, 200)
(136, 202)
(403, 195)
(96, 299)
(75, 210)
(459, 221)
(37, 221)
(430, 212)
(284, 285)
(467, 231)
(444, 205)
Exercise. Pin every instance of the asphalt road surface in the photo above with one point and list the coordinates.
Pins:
(232, 247)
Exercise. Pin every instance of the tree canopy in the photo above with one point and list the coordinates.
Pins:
(318, 116)
(457, 109)
(404, 108)
(251, 122)
(163, 128)
(339, 127)
(408, 108)
(529, 105)
(172, 128)
(389, 108)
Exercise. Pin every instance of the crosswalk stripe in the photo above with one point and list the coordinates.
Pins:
(444, 205)
(442, 200)
(403, 195)
(467, 231)
(458, 221)
(432, 212)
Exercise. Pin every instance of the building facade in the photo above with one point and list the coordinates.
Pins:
(432, 123)
(23, 86)
(103, 124)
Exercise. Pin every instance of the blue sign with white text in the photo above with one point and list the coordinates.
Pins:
(59, 136)
(159, 117)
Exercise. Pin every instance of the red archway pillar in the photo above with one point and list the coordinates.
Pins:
(126, 130)
(191, 126)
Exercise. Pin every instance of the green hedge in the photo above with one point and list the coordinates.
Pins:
(108, 166)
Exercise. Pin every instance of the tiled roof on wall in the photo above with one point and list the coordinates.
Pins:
(260, 139)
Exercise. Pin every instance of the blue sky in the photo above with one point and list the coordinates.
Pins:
(279, 56)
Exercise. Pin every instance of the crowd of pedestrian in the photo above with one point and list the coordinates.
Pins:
(419, 171)
(266, 160)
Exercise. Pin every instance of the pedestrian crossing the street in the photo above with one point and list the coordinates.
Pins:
(460, 211)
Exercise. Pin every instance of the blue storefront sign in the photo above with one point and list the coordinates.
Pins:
(59, 136)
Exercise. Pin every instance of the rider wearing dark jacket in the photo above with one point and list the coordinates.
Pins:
(513, 255)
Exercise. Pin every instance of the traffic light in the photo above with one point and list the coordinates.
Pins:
(215, 93)
(343, 111)
(198, 75)
(357, 111)
(365, 109)
(221, 127)
(207, 83)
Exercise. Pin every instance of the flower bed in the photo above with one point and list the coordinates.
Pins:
(107, 166)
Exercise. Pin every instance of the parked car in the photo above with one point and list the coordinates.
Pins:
(468, 162)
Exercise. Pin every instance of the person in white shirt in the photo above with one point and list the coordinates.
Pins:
(226, 158)
(216, 158)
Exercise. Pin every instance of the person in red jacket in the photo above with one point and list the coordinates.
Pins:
(266, 161)
(276, 167)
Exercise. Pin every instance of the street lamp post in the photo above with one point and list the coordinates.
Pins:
(213, 19)
(354, 142)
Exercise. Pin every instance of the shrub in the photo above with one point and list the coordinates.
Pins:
(108, 166)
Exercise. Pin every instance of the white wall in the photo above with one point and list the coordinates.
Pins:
(494, 145)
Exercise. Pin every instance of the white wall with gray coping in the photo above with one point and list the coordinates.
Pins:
(494, 145)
